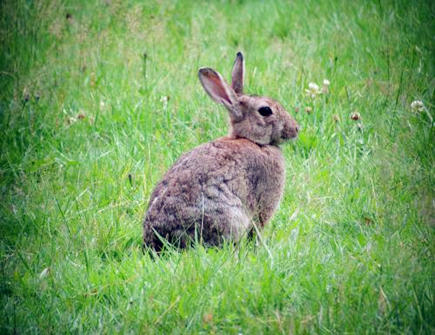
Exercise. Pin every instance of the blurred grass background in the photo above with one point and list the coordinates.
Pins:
(99, 98)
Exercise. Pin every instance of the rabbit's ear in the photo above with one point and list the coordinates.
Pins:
(238, 74)
(219, 90)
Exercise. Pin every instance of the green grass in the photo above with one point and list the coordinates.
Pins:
(85, 137)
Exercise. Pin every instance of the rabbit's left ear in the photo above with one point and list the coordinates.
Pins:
(238, 74)
(220, 91)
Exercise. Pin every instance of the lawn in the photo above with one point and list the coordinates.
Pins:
(99, 98)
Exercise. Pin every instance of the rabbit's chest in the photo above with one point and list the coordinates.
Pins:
(267, 175)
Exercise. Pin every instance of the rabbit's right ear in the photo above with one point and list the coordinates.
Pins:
(238, 74)
(219, 90)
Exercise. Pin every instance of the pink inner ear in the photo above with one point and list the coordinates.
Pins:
(216, 87)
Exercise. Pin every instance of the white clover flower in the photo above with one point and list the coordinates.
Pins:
(313, 87)
(325, 87)
(313, 90)
(164, 100)
(417, 106)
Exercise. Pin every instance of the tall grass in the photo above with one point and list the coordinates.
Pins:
(99, 98)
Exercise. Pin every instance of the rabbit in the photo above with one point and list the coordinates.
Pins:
(224, 189)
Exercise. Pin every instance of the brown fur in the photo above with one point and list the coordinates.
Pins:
(220, 189)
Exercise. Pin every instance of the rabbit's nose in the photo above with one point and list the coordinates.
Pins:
(294, 128)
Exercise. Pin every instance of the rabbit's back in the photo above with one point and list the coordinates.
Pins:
(214, 192)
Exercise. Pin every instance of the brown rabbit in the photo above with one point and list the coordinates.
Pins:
(221, 189)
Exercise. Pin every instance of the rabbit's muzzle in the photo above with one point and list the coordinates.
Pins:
(290, 130)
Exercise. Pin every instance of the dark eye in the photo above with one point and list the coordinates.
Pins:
(265, 111)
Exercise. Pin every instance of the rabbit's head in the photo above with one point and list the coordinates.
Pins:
(259, 119)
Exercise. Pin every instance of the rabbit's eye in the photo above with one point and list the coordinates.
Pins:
(265, 111)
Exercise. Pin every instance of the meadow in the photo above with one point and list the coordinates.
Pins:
(99, 98)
